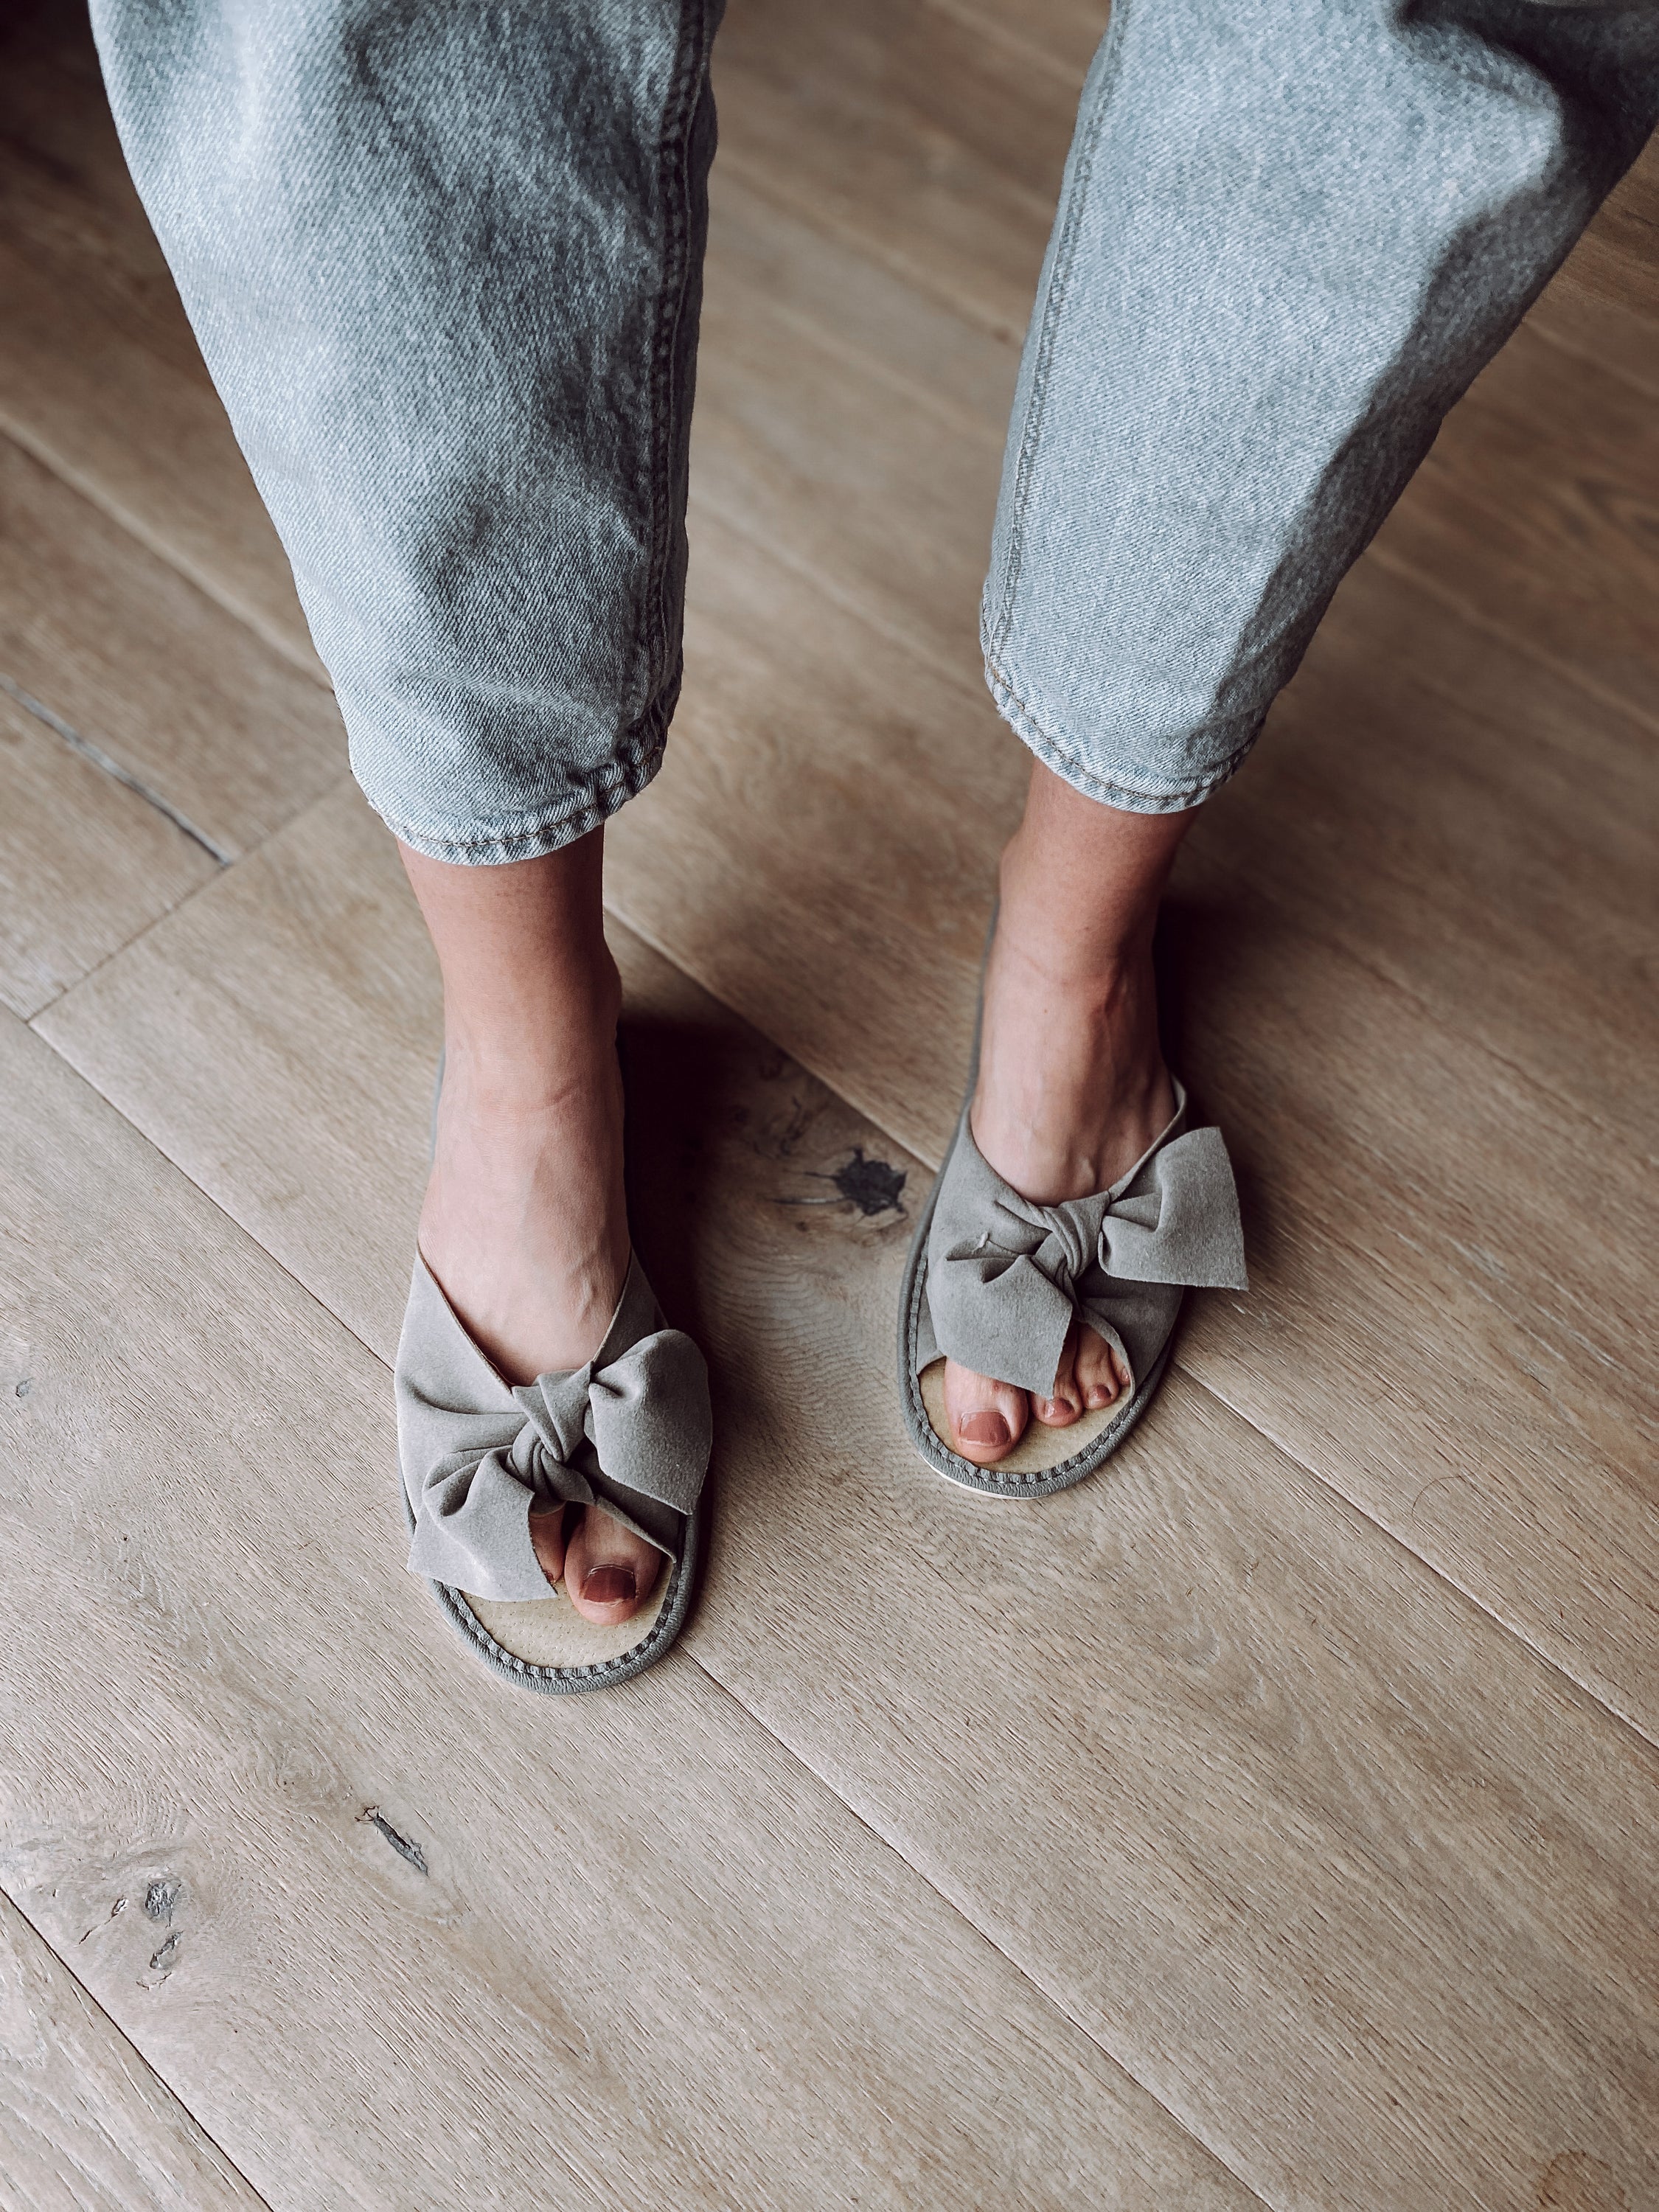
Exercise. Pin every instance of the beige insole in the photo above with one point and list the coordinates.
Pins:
(1039, 1448)
(548, 1632)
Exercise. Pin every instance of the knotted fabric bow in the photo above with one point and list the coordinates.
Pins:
(630, 1431)
(1006, 1277)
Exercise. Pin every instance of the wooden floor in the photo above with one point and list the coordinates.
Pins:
(1273, 1821)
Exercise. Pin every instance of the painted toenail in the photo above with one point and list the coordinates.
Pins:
(983, 1429)
(608, 1585)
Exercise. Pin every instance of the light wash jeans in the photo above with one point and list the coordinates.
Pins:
(444, 262)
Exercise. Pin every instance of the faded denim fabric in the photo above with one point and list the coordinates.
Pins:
(1291, 232)
(444, 262)
(445, 265)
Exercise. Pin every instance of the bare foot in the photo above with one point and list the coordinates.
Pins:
(1073, 1088)
(525, 1223)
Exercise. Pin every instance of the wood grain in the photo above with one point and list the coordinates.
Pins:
(85, 863)
(1452, 1336)
(900, 130)
(819, 851)
(1328, 1860)
(1343, 1876)
(432, 1940)
(117, 643)
(88, 308)
(85, 2124)
(1539, 510)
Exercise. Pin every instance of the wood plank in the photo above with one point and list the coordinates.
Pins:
(1353, 1883)
(1476, 830)
(1604, 306)
(869, 982)
(904, 131)
(85, 863)
(622, 1951)
(88, 310)
(811, 446)
(85, 2125)
(257, 1013)
(117, 643)
(1535, 509)
(819, 851)
(1447, 1328)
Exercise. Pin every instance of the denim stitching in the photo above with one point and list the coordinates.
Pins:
(1063, 756)
(1065, 253)
(550, 828)
(677, 188)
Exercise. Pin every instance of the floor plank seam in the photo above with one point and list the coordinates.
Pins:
(87, 749)
(163, 550)
(127, 2045)
(952, 1904)
(724, 1689)
(218, 1205)
(1465, 1596)
(155, 921)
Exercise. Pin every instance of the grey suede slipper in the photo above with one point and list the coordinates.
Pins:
(994, 1281)
(630, 1431)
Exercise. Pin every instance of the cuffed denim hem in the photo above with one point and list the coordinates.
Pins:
(550, 830)
(1061, 754)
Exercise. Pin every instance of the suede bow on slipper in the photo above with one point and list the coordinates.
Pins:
(629, 1431)
(996, 1280)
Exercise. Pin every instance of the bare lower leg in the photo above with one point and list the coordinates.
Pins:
(1073, 1088)
(525, 1224)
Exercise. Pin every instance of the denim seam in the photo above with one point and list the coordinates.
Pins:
(1089, 131)
(678, 120)
(549, 827)
(1062, 753)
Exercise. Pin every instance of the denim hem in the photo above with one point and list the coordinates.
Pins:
(1061, 755)
(548, 833)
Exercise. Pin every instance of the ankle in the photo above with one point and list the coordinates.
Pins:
(1072, 943)
(544, 1053)
(1073, 1085)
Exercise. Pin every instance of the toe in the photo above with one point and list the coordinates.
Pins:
(986, 1418)
(1063, 1403)
(547, 1536)
(609, 1571)
(1102, 1377)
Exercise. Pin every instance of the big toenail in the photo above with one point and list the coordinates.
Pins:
(983, 1429)
(608, 1585)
